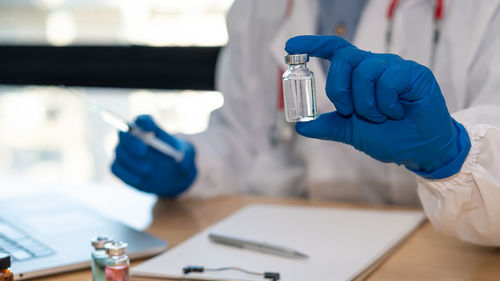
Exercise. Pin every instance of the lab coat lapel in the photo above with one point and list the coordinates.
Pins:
(302, 20)
(464, 26)
(372, 26)
(411, 32)
(487, 10)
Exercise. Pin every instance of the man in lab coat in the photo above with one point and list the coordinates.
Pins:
(236, 155)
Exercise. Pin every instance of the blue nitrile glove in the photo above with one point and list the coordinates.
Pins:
(149, 170)
(390, 108)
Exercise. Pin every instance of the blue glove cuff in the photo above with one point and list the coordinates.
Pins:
(454, 166)
(183, 186)
(188, 165)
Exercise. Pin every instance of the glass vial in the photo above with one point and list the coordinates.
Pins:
(5, 273)
(99, 257)
(117, 265)
(299, 89)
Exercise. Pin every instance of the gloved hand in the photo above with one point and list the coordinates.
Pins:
(390, 108)
(149, 170)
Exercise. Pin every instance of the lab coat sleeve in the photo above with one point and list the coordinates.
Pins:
(467, 205)
(224, 149)
(226, 152)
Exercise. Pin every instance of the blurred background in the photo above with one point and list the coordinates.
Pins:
(111, 22)
(133, 57)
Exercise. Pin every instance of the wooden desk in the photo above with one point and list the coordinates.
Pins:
(426, 255)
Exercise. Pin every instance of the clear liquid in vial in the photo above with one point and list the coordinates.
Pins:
(300, 99)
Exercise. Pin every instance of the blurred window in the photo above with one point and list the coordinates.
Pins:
(114, 22)
(48, 134)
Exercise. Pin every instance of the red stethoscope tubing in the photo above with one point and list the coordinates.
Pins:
(438, 11)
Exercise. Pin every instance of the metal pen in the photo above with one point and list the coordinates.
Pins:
(262, 247)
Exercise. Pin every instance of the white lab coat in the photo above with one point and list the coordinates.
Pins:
(235, 156)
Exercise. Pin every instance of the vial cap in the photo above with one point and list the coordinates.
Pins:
(99, 241)
(116, 248)
(296, 59)
(4, 261)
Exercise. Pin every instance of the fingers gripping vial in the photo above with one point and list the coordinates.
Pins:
(299, 90)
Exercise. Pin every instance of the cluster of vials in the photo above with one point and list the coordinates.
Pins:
(109, 260)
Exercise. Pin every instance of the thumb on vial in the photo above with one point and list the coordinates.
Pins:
(328, 126)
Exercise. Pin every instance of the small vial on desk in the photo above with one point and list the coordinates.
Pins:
(99, 257)
(299, 90)
(5, 273)
(117, 265)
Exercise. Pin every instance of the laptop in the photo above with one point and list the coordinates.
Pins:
(49, 233)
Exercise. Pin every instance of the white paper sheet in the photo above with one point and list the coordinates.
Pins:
(341, 243)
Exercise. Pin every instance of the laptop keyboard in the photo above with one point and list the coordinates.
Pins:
(20, 245)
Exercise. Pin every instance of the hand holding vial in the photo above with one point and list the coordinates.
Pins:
(388, 107)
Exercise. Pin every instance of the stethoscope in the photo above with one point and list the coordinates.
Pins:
(283, 132)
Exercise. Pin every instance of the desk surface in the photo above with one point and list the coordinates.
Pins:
(426, 255)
